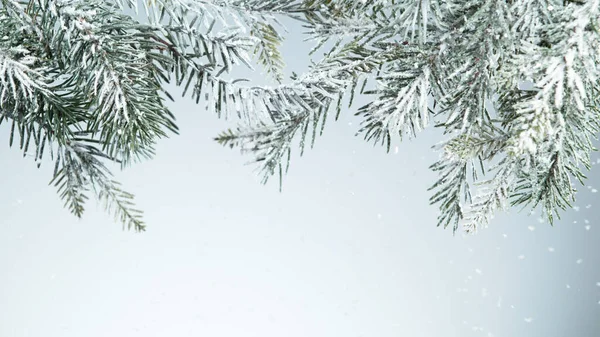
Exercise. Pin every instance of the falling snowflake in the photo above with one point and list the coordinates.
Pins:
(579, 261)
(551, 249)
(528, 319)
(531, 228)
(521, 257)
(588, 227)
(478, 271)
(568, 286)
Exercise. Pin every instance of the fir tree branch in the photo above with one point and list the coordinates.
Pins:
(86, 80)
(452, 185)
(299, 107)
(81, 169)
(398, 112)
(268, 143)
(267, 50)
(492, 197)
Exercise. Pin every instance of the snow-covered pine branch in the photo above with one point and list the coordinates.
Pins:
(277, 115)
(399, 112)
(86, 80)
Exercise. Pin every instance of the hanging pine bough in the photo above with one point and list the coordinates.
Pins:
(85, 81)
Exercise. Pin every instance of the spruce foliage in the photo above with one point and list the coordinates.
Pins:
(513, 85)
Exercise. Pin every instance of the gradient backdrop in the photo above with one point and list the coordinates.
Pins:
(349, 248)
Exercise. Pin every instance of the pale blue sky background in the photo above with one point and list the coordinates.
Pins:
(349, 248)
